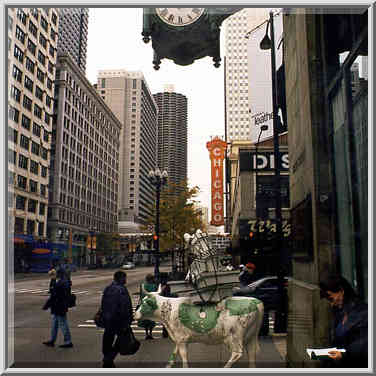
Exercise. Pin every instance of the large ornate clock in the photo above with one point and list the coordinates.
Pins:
(184, 34)
(179, 16)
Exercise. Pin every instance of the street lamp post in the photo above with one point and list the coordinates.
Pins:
(263, 128)
(266, 44)
(158, 179)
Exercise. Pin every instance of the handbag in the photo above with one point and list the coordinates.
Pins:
(126, 342)
(47, 304)
(98, 318)
(72, 300)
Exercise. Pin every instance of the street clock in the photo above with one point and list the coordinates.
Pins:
(179, 16)
(184, 34)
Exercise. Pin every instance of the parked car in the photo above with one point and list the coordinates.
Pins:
(129, 265)
(265, 289)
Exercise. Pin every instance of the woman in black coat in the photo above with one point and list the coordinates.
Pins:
(350, 329)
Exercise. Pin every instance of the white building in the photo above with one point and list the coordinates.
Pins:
(248, 73)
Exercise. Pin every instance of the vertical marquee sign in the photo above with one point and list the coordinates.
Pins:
(217, 148)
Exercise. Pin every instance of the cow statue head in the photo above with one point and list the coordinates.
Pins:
(147, 307)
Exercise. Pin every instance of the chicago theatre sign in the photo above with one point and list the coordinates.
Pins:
(217, 148)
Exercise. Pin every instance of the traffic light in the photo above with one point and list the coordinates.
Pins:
(251, 235)
(155, 241)
(155, 237)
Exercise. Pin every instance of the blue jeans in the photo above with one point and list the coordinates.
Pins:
(62, 322)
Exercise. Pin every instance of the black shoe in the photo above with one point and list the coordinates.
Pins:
(49, 343)
(149, 336)
(66, 345)
(108, 365)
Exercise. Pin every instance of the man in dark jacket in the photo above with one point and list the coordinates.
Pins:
(117, 315)
(58, 303)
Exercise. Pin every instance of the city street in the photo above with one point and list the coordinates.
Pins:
(32, 327)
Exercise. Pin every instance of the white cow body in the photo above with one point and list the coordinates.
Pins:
(239, 331)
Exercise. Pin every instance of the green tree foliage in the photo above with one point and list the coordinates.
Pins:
(178, 215)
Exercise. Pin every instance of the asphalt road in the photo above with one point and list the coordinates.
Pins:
(32, 327)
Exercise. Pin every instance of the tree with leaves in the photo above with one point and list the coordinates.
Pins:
(178, 215)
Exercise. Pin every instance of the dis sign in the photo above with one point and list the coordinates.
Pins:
(217, 148)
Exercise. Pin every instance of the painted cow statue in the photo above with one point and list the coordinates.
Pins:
(234, 321)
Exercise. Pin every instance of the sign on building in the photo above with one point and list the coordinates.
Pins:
(217, 148)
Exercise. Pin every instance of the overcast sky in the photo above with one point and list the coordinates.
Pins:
(115, 42)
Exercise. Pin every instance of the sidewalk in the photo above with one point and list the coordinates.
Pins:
(86, 353)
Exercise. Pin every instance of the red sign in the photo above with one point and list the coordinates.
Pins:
(217, 148)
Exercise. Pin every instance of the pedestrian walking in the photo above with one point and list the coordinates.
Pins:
(246, 276)
(65, 266)
(350, 324)
(52, 274)
(117, 315)
(148, 286)
(58, 304)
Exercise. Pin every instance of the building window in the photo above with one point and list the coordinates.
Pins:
(50, 67)
(37, 111)
(22, 161)
(18, 54)
(35, 148)
(20, 203)
(32, 206)
(33, 186)
(103, 83)
(21, 182)
(36, 129)
(30, 65)
(54, 19)
(24, 142)
(44, 171)
(34, 167)
(42, 208)
(17, 74)
(27, 102)
(134, 84)
(49, 84)
(51, 51)
(29, 84)
(44, 23)
(33, 29)
(43, 40)
(39, 93)
(10, 23)
(43, 190)
(20, 35)
(40, 75)
(41, 58)
(25, 122)
(44, 153)
(15, 93)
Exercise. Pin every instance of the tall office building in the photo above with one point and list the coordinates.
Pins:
(238, 87)
(73, 32)
(32, 37)
(172, 134)
(128, 96)
(83, 186)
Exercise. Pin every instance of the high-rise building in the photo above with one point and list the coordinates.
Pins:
(73, 32)
(83, 187)
(129, 97)
(172, 134)
(238, 87)
(32, 37)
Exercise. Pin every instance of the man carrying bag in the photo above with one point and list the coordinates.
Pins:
(117, 316)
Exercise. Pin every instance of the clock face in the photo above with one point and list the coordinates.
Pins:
(179, 16)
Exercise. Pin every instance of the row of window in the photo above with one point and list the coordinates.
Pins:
(22, 182)
(19, 226)
(30, 205)
(26, 163)
(27, 144)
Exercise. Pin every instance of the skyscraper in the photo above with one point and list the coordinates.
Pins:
(172, 134)
(129, 97)
(73, 32)
(32, 36)
(238, 87)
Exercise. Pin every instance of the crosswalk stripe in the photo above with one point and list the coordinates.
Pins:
(38, 291)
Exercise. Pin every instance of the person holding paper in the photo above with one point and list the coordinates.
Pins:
(350, 329)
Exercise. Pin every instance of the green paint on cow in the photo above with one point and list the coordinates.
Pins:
(200, 319)
(148, 305)
(238, 307)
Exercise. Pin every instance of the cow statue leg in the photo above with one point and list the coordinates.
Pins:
(234, 357)
(172, 358)
(252, 349)
(183, 353)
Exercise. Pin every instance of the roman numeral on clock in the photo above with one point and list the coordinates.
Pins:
(171, 18)
(180, 20)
